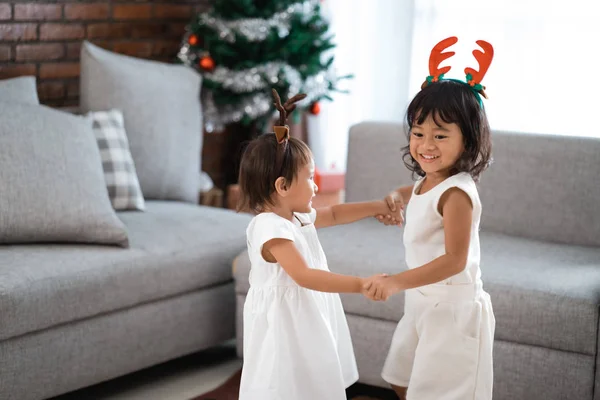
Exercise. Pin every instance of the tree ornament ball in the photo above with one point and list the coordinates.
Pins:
(317, 177)
(193, 40)
(315, 108)
(207, 63)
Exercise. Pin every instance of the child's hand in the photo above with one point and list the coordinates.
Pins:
(367, 282)
(380, 288)
(393, 214)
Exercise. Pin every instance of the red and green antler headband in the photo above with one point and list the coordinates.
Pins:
(474, 78)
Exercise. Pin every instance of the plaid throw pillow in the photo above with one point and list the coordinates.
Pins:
(119, 170)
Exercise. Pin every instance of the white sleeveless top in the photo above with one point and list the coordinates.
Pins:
(424, 229)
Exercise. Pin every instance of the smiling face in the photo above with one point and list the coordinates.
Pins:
(436, 146)
(303, 189)
(446, 117)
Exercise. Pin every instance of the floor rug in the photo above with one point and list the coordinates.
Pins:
(230, 389)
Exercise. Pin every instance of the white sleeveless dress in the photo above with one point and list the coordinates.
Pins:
(297, 343)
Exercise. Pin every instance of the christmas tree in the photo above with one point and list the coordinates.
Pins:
(244, 48)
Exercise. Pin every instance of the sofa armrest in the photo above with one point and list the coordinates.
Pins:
(375, 160)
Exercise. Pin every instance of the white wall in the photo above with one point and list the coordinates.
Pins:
(374, 43)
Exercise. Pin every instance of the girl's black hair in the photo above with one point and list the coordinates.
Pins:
(260, 168)
(453, 102)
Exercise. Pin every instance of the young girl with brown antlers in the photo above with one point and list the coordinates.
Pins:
(442, 347)
(296, 340)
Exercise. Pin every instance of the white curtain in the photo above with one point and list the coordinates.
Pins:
(373, 40)
(543, 77)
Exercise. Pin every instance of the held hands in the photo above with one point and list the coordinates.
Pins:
(367, 282)
(380, 287)
(393, 214)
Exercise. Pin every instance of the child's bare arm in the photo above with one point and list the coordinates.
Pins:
(350, 212)
(288, 256)
(457, 212)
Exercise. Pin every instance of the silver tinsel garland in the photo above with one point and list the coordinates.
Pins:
(255, 78)
(257, 105)
(258, 78)
(257, 29)
(266, 75)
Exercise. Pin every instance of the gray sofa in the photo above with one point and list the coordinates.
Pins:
(73, 315)
(76, 315)
(540, 242)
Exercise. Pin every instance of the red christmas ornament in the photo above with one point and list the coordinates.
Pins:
(315, 108)
(207, 63)
(317, 177)
(193, 40)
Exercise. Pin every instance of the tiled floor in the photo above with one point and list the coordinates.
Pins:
(181, 379)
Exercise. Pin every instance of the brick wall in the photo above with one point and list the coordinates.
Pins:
(43, 38)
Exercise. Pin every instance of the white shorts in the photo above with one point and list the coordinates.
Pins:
(442, 347)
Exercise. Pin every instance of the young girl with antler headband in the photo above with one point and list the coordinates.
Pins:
(296, 340)
(442, 347)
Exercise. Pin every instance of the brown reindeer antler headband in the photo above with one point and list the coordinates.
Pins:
(282, 131)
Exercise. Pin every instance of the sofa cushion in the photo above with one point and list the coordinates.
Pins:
(161, 106)
(19, 90)
(543, 294)
(51, 178)
(174, 248)
(548, 176)
(119, 170)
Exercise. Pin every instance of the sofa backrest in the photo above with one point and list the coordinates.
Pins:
(374, 164)
(539, 186)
